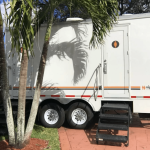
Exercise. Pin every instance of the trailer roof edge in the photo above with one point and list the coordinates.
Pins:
(134, 16)
(89, 21)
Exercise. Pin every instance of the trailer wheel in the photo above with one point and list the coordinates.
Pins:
(79, 115)
(52, 115)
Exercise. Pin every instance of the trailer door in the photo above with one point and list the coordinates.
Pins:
(115, 63)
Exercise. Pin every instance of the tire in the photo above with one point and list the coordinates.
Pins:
(84, 115)
(57, 117)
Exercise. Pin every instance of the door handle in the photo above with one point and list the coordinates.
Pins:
(105, 67)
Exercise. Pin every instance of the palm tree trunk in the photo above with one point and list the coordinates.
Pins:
(22, 99)
(21, 102)
(39, 81)
(5, 89)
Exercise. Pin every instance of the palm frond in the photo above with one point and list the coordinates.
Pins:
(41, 16)
(103, 14)
(19, 20)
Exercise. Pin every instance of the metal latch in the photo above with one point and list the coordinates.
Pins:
(105, 67)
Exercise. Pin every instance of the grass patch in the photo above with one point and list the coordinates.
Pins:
(49, 134)
(3, 138)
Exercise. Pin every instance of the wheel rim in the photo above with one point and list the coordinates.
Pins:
(79, 116)
(51, 116)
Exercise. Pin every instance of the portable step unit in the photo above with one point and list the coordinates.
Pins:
(117, 121)
(79, 80)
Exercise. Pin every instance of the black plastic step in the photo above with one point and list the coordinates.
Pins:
(114, 117)
(3, 131)
(3, 113)
(105, 126)
(2, 121)
(108, 137)
(14, 103)
(115, 106)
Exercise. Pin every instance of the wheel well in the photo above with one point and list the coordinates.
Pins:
(75, 101)
(130, 103)
(64, 106)
(49, 101)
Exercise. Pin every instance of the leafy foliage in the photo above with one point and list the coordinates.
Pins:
(62, 12)
(102, 12)
(134, 6)
(20, 26)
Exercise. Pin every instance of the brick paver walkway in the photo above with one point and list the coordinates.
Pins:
(139, 137)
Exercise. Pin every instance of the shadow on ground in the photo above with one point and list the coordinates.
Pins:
(138, 121)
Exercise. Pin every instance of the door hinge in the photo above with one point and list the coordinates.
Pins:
(127, 71)
(127, 53)
(127, 34)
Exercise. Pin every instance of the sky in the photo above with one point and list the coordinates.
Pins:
(3, 14)
(1, 1)
(3, 9)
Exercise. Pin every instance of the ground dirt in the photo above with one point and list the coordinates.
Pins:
(35, 144)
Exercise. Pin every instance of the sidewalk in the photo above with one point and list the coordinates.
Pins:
(74, 139)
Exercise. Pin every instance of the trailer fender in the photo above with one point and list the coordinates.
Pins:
(65, 101)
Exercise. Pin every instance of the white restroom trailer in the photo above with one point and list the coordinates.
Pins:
(78, 79)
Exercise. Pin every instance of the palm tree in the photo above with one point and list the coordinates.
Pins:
(102, 12)
(22, 15)
(5, 88)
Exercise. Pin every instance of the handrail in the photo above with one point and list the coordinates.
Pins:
(96, 86)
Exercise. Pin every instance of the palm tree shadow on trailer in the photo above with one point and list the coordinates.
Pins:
(74, 49)
(53, 90)
(78, 55)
